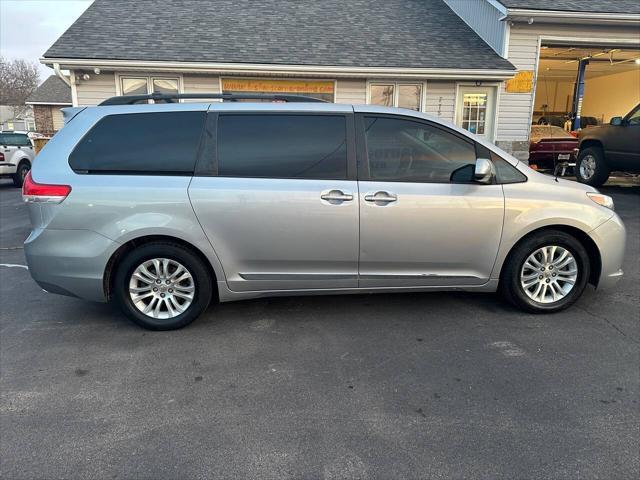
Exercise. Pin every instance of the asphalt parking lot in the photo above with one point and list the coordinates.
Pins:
(439, 385)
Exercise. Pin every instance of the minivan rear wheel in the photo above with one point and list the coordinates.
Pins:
(162, 286)
(547, 272)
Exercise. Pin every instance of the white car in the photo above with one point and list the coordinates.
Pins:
(16, 156)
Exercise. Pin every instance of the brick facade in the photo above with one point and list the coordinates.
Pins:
(44, 119)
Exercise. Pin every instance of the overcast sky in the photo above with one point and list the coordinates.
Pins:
(29, 27)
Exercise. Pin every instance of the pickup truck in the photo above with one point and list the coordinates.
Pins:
(16, 156)
(607, 148)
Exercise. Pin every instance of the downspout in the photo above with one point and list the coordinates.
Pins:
(56, 68)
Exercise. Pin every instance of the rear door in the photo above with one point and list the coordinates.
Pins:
(276, 195)
(423, 222)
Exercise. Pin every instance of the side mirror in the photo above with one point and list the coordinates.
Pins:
(616, 121)
(484, 171)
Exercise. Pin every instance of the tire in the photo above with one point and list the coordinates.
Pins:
(557, 279)
(21, 173)
(591, 167)
(199, 286)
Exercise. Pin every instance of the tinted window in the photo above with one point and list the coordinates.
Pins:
(15, 139)
(505, 172)
(148, 143)
(282, 146)
(404, 150)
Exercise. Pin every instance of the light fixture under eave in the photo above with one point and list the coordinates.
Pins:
(637, 60)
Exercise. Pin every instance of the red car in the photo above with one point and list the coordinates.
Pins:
(549, 145)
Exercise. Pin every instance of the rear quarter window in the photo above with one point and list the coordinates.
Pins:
(141, 143)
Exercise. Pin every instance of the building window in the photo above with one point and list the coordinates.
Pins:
(321, 89)
(393, 94)
(474, 112)
(31, 126)
(146, 85)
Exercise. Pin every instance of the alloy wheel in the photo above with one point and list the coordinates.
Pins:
(161, 288)
(588, 167)
(549, 274)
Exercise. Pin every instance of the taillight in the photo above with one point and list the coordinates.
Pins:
(1, 157)
(42, 193)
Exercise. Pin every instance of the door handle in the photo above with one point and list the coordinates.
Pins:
(336, 196)
(381, 197)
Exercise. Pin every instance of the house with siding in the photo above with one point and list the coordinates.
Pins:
(472, 62)
(47, 101)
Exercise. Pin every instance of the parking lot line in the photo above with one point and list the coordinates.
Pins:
(13, 265)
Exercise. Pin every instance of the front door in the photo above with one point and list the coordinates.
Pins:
(423, 222)
(281, 209)
(622, 142)
(475, 109)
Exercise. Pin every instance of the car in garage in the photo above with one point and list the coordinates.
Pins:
(550, 145)
(607, 148)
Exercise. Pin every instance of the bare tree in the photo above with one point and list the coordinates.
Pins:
(18, 79)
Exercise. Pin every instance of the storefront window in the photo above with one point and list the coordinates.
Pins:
(409, 96)
(134, 86)
(383, 95)
(403, 95)
(146, 85)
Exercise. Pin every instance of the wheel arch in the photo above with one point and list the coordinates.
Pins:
(587, 242)
(118, 255)
(591, 142)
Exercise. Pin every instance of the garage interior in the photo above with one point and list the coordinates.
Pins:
(611, 84)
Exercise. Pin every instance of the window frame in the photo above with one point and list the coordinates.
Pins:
(207, 164)
(364, 174)
(396, 92)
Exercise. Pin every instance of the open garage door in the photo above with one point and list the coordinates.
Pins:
(579, 87)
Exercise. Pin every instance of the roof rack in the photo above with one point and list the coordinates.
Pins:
(232, 97)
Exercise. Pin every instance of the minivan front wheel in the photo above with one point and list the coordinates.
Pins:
(546, 273)
(162, 286)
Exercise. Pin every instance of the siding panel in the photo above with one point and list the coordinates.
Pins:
(200, 84)
(56, 116)
(483, 18)
(441, 99)
(96, 89)
(351, 91)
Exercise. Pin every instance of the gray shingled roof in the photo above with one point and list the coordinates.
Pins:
(353, 33)
(590, 6)
(53, 90)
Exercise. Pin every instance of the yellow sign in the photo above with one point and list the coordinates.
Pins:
(276, 86)
(521, 83)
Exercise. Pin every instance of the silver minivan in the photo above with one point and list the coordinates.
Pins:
(163, 207)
